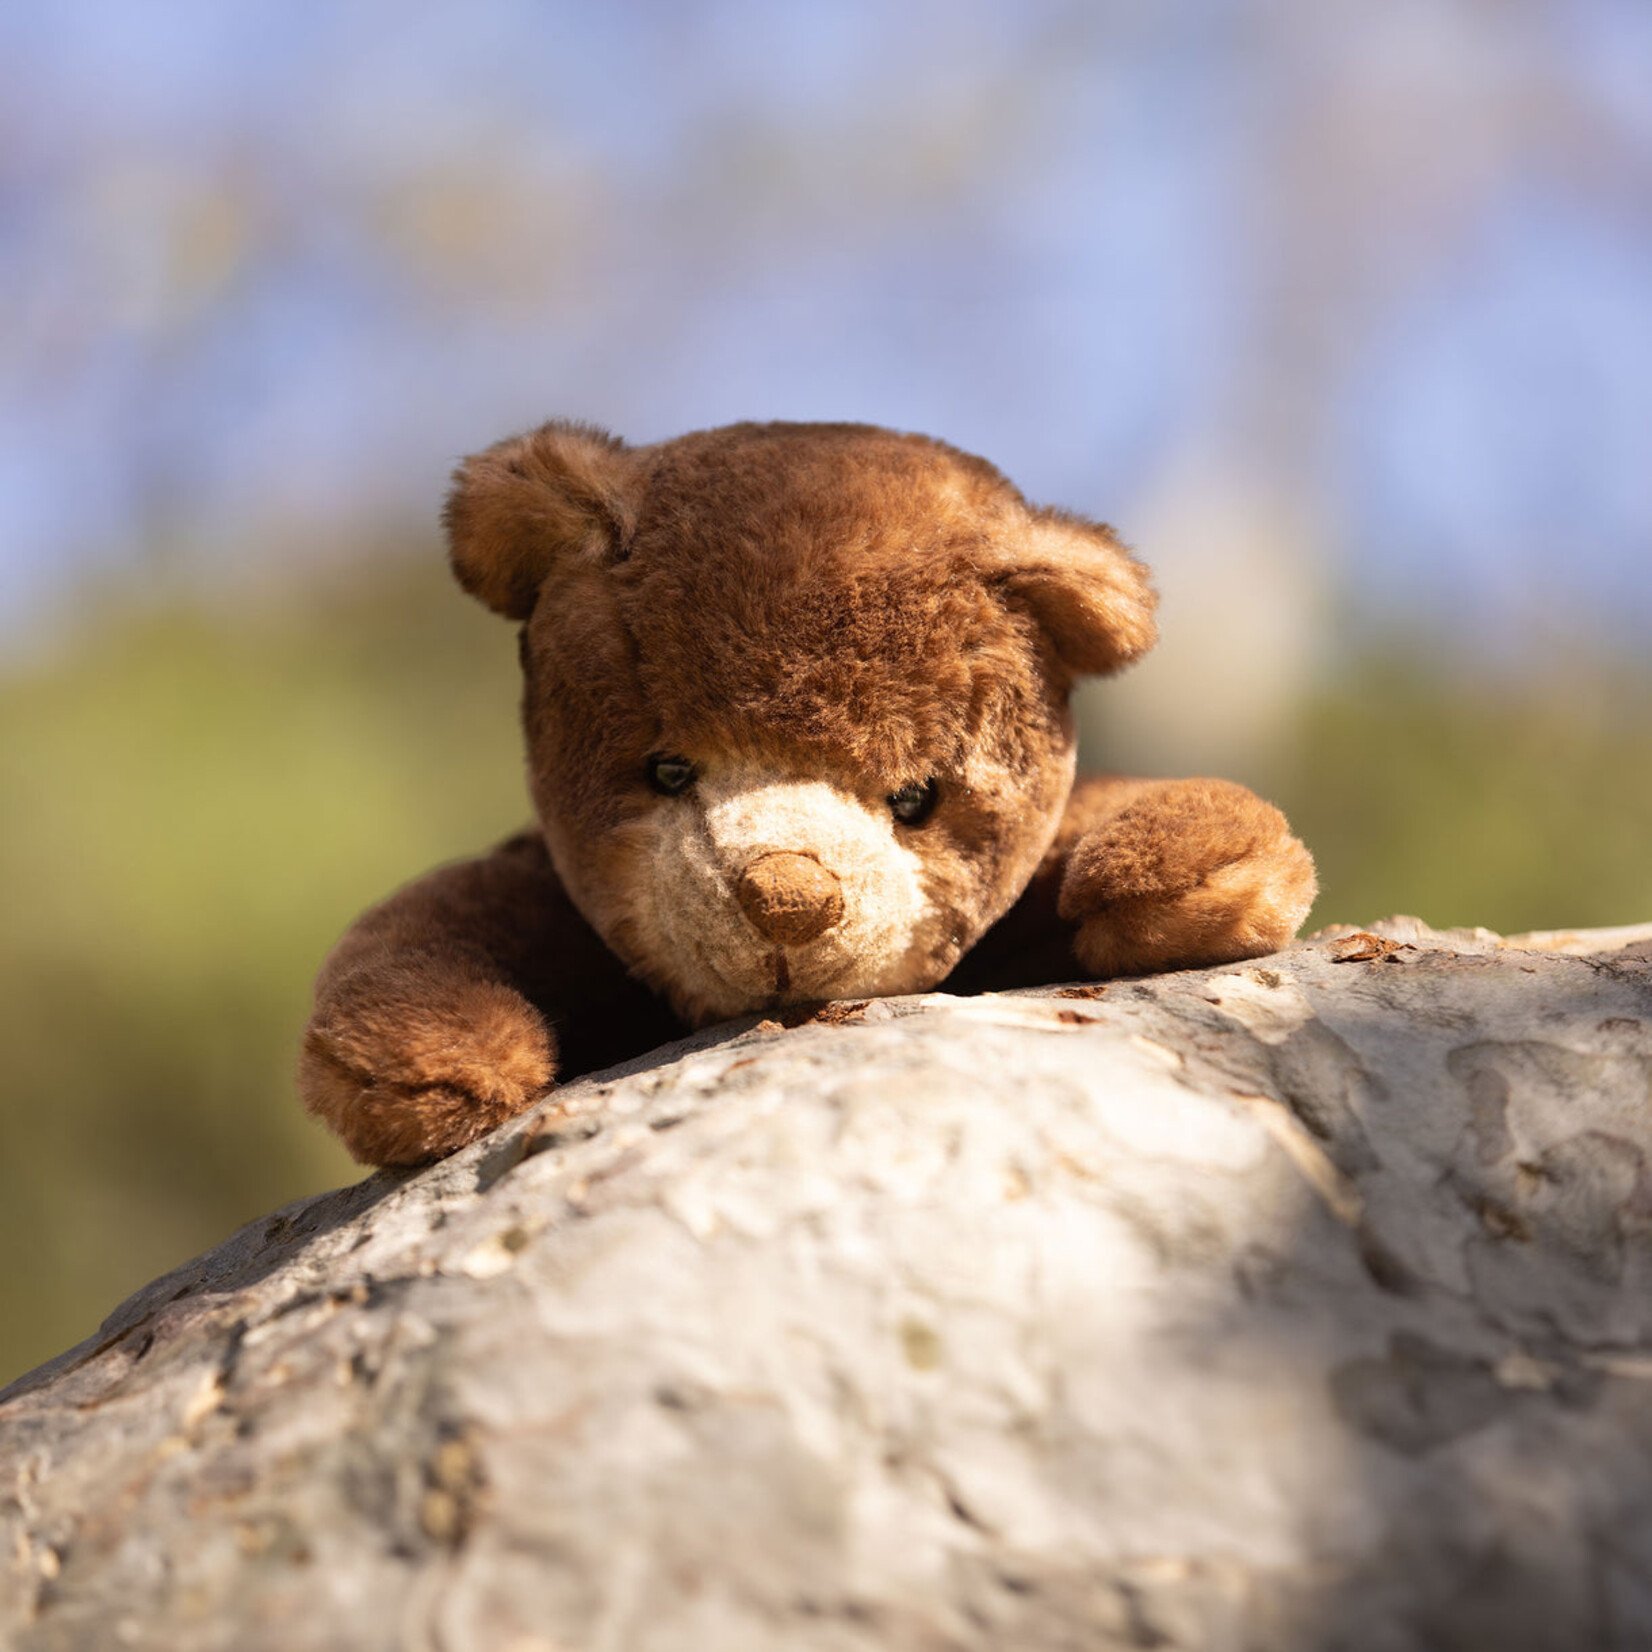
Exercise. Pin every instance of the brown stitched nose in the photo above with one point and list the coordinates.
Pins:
(789, 898)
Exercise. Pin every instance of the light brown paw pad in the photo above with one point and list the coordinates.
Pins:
(1243, 910)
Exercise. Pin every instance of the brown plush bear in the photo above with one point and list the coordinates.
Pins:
(796, 703)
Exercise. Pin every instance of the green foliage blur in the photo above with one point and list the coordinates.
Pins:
(199, 796)
(197, 801)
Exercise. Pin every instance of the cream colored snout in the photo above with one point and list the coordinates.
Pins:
(789, 899)
(763, 887)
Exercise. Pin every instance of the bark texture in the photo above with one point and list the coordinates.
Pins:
(1299, 1304)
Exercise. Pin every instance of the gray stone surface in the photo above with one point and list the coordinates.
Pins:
(1302, 1304)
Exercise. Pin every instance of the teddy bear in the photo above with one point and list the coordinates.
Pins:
(796, 706)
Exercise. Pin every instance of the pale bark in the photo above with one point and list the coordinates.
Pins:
(1300, 1304)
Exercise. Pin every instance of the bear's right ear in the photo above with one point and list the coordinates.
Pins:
(1093, 599)
(522, 505)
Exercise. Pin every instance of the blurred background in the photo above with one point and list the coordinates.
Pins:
(1342, 313)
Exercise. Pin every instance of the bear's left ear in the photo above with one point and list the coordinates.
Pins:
(1093, 599)
(519, 507)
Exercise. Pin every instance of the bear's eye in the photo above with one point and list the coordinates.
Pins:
(671, 775)
(913, 805)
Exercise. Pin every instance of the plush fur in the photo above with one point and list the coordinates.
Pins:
(821, 620)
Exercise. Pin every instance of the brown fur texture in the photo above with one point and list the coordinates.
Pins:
(855, 649)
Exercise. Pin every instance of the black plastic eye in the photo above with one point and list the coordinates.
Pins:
(671, 775)
(913, 805)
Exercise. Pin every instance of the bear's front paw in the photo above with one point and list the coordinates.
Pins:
(405, 1069)
(1192, 872)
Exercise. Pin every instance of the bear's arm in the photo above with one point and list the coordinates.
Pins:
(1148, 875)
(455, 1003)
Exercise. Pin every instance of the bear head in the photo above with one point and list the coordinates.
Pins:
(795, 695)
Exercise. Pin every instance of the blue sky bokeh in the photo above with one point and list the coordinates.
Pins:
(272, 269)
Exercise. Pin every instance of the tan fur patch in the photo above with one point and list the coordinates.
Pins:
(682, 902)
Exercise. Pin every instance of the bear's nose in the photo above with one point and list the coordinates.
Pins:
(789, 898)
